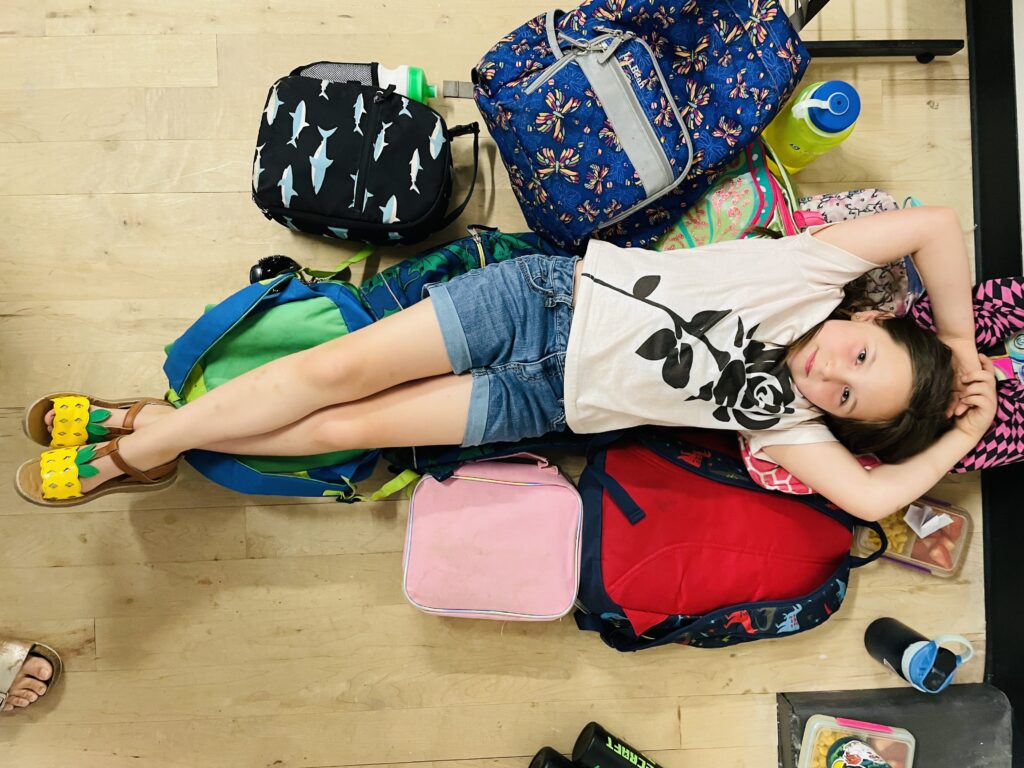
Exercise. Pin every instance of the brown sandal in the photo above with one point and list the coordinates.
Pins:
(14, 654)
(53, 480)
(74, 424)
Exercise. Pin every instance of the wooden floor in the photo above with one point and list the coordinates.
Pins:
(203, 628)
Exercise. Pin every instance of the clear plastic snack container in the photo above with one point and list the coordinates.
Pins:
(940, 554)
(831, 742)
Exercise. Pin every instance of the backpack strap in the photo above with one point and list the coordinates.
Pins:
(596, 469)
(462, 130)
(552, 30)
(331, 274)
(856, 561)
(185, 352)
(403, 480)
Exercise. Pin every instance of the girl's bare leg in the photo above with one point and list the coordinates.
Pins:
(400, 348)
(425, 412)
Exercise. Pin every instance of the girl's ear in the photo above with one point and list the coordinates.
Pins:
(870, 316)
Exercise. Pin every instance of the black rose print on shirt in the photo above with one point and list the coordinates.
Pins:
(753, 387)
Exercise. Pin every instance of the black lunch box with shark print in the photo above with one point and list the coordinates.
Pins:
(340, 157)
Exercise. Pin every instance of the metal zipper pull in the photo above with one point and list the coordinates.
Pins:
(475, 234)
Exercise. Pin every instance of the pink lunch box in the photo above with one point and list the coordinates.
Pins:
(498, 539)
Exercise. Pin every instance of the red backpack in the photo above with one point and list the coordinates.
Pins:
(681, 546)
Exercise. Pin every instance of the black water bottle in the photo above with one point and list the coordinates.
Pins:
(923, 663)
(596, 748)
(547, 757)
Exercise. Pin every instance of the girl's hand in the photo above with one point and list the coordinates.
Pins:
(979, 398)
(965, 361)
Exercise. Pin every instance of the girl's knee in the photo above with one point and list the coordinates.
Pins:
(330, 368)
(333, 431)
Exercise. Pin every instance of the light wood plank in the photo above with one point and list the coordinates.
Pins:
(75, 641)
(274, 531)
(314, 583)
(115, 61)
(145, 536)
(74, 114)
(293, 17)
(259, 59)
(124, 167)
(22, 18)
(354, 738)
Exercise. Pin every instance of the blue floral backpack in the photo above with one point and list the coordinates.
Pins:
(681, 546)
(614, 117)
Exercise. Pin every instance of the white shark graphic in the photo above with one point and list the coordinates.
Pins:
(323, 89)
(414, 171)
(272, 104)
(339, 232)
(405, 108)
(437, 139)
(390, 210)
(290, 224)
(257, 169)
(319, 161)
(394, 236)
(298, 122)
(287, 190)
(355, 186)
(367, 194)
(379, 143)
(358, 113)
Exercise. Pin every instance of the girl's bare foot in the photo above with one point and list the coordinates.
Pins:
(29, 684)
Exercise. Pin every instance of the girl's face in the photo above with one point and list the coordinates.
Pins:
(854, 369)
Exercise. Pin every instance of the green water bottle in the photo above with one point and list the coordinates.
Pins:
(408, 81)
(819, 118)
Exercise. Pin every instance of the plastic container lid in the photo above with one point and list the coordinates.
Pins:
(895, 746)
(843, 107)
(940, 554)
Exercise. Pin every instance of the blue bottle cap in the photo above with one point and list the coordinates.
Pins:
(931, 667)
(843, 107)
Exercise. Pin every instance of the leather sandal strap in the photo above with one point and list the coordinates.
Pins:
(152, 475)
(136, 409)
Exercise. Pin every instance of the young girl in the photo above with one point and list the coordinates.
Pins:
(737, 335)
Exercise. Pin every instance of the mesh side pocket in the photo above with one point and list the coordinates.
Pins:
(340, 73)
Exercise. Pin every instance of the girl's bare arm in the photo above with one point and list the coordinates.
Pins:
(831, 470)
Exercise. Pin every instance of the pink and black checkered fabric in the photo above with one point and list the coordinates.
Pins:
(998, 314)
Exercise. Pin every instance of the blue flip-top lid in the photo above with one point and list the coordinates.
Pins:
(843, 106)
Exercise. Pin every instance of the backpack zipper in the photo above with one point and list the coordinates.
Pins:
(359, 198)
(475, 234)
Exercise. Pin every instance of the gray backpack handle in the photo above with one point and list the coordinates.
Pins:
(552, 30)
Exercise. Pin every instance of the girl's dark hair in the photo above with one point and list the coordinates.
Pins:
(924, 419)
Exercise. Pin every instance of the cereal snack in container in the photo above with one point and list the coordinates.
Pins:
(939, 552)
(831, 742)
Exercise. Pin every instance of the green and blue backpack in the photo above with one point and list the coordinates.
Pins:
(297, 310)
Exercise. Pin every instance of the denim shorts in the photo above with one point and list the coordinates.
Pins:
(508, 325)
